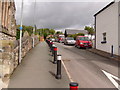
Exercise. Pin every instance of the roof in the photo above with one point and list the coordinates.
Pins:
(104, 8)
(74, 31)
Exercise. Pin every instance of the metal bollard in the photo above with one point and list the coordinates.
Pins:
(51, 45)
(52, 49)
(55, 55)
(112, 51)
(73, 86)
(58, 75)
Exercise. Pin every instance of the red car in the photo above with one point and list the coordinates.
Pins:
(61, 39)
(83, 41)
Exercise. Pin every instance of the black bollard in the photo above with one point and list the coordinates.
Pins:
(55, 55)
(51, 45)
(112, 51)
(52, 49)
(58, 75)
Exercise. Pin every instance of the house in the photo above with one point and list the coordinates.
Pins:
(107, 27)
(74, 31)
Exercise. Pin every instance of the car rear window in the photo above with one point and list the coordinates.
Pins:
(84, 38)
(70, 38)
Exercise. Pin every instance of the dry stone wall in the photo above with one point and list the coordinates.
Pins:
(10, 54)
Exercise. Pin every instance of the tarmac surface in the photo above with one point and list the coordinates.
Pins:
(38, 71)
(86, 68)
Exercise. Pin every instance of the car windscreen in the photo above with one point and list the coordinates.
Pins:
(62, 37)
(70, 38)
(84, 38)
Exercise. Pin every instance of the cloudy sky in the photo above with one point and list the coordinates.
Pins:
(60, 14)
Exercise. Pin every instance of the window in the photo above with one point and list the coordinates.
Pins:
(104, 38)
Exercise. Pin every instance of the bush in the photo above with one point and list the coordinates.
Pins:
(75, 35)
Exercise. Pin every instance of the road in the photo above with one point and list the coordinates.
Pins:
(86, 68)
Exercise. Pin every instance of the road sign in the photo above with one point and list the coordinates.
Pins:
(21, 28)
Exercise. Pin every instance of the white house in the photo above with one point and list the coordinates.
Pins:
(107, 26)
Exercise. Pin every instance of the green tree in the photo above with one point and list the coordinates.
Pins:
(45, 32)
(58, 32)
(29, 29)
(90, 30)
(52, 31)
(80, 34)
(75, 35)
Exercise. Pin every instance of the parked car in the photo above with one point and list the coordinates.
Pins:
(83, 41)
(61, 39)
(52, 39)
(69, 41)
(56, 39)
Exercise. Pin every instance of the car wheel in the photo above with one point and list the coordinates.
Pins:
(75, 45)
(78, 46)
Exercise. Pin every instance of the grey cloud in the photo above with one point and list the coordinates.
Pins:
(59, 15)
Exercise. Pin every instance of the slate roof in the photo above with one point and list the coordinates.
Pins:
(75, 31)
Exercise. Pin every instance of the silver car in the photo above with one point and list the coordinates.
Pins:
(52, 39)
(69, 41)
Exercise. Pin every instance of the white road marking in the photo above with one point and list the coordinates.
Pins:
(69, 76)
(111, 78)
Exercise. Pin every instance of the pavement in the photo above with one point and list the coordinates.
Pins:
(88, 68)
(104, 54)
(38, 71)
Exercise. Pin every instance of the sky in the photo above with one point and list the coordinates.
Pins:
(59, 14)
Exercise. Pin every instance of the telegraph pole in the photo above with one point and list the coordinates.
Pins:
(20, 43)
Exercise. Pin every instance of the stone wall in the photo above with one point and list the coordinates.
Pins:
(7, 18)
(10, 54)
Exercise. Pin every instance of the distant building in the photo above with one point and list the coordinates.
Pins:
(75, 31)
(7, 20)
(107, 26)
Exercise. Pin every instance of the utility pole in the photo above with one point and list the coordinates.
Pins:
(20, 43)
(34, 24)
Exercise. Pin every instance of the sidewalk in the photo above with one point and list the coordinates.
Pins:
(104, 54)
(37, 71)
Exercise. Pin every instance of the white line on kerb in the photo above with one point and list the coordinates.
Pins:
(111, 78)
(69, 76)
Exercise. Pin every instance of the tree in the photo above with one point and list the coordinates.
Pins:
(90, 30)
(58, 32)
(29, 29)
(52, 31)
(45, 32)
(75, 35)
(42, 32)
(80, 34)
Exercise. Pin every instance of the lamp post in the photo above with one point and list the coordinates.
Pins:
(34, 24)
(20, 42)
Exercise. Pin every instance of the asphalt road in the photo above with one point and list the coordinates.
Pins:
(86, 67)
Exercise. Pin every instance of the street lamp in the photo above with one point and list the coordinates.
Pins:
(20, 42)
(34, 24)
